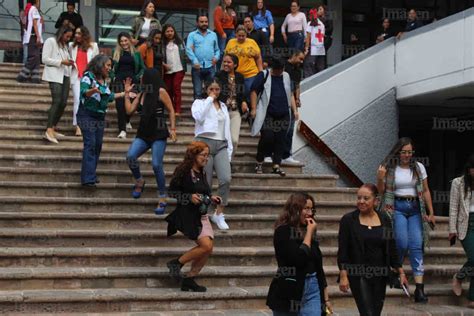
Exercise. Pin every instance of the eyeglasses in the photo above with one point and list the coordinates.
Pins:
(204, 155)
(407, 152)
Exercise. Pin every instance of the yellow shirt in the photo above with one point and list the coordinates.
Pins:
(246, 52)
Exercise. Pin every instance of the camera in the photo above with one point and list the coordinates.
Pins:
(205, 202)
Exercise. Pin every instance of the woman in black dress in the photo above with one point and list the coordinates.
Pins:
(193, 193)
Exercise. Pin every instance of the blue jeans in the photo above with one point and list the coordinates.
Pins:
(289, 138)
(138, 148)
(248, 85)
(92, 128)
(199, 76)
(311, 301)
(296, 41)
(222, 44)
(408, 227)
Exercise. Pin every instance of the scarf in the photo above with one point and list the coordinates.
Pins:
(387, 204)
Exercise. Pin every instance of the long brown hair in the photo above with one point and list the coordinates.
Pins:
(86, 39)
(292, 210)
(393, 158)
(194, 149)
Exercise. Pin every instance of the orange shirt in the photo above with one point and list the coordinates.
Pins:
(223, 20)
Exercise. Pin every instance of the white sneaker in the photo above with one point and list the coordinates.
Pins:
(290, 160)
(129, 126)
(123, 134)
(268, 159)
(219, 220)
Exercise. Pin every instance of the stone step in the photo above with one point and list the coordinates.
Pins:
(125, 176)
(14, 279)
(37, 145)
(158, 256)
(119, 162)
(60, 237)
(170, 300)
(111, 190)
(131, 221)
(146, 206)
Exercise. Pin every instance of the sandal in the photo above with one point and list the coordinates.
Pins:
(160, 209)
(137, 190)
(278, 170)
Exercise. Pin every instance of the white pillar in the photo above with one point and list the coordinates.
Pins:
(335, 11)
(88, 10)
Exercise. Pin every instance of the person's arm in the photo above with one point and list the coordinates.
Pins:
(258, 61)
(217, 51)
(271, 26)
(190, 50)
(141, 66)
(305, 23)
(49, 56)
(131, 106)
(296, 255)
(218, 13)
(454, 204)
(307, 42)
(165, 98)
(283, 28)
(297, 94)
(427, 198)
(381, 174)
(294, 109)
(200, 108)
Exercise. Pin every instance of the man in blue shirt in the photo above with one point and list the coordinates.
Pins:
(203, 50)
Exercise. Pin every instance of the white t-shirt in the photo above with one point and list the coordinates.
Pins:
(172, 58)
(316, 34)
(220, 134)
(146, 28)
(405, 183)
(33, 14)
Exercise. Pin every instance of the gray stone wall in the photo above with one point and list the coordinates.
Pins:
(362, 141)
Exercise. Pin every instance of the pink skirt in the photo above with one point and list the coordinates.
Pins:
(207, 230)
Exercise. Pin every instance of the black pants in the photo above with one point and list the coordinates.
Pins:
(313, 64)
(273, 138)
(369, 294)
(122, 116)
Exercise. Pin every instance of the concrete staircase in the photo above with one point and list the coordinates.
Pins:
(66, 249)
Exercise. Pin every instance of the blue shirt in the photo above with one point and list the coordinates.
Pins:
(263, 22)
(205, 48)
(278, 103)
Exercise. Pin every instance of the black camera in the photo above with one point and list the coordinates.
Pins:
(205, 202)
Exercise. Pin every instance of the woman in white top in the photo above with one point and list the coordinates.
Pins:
(57, 71)
(461, 224)
(82, 50)
(145, 23)
(296, 23)
(213, 128)
(174, 64)
(406, 196)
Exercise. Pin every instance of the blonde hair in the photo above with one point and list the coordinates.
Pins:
(118, 49)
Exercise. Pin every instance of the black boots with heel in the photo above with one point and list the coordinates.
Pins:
(420, 296)
(189, 285)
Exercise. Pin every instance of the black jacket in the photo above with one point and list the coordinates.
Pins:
(223, 79)
(351, 245)
(413, 25)
(263, 42)
(286, 289)
(186, 217)
(74, 18)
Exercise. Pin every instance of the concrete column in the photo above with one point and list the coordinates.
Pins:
(335, 11)
(88, 10)
(212, 5)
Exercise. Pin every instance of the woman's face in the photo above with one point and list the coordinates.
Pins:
(366, 200)
(321, 11)
(386, 24)
(260, 4)
(66, 37)
(169, 33)
(307, 212)
(227, 2)
(202, 158)
(406, 154)
(228, 64)
(150, 9)
(241, 36)
(214, 88)
(78, 35)
(157, 39)
(124, 43)
(106, 69)
(294, 7)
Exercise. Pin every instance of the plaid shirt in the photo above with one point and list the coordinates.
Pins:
(459, 208)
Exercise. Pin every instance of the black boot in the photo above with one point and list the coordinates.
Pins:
(189, 285)
(420, 296)
(175, 269)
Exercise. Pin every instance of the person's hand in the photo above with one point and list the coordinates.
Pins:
(344, 284)
(285, 39)
(216, 199)
(224, 36)
(329, 307)
(265, 65)
(134, 41)
(271, 39)
(213, 95)
(92, 91)
(197, 66)
(245, 107)
(128, 86)
(311, 225)
(173, 136)
(253, 113)
(166, 66)
(72, 26)
(381, 172)
(404, 280)
(306, 51)
(399, 35)
(452, 235)
(196, 199)
(214, 61)
(298, 103)
(38, 42)
(67, 62)
(430, 218)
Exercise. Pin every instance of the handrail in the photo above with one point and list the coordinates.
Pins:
(318, 144)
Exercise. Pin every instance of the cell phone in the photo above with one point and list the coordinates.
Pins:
(432, 225)
(405, 289)
(452, 241)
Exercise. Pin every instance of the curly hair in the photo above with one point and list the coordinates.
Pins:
(86, 42)
(292, 210)
(194, 149)
(96, 65)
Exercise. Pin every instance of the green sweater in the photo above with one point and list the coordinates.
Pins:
(97, 102)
